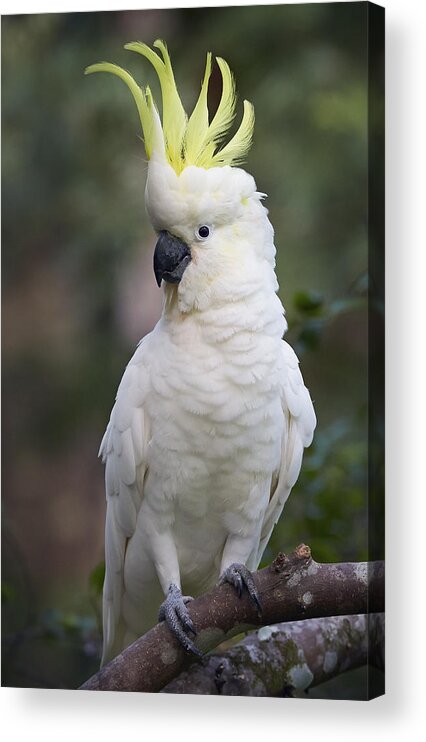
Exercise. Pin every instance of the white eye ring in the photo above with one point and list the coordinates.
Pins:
(203, 232)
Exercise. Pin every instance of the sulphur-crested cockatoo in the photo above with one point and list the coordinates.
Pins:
(206, 436)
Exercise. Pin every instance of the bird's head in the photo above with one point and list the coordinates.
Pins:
(205, 209)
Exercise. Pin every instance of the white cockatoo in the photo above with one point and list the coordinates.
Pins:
(206, 436)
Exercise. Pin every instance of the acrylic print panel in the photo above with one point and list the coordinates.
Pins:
(212, 418)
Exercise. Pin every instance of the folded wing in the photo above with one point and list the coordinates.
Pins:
(123, 450)
(300, 425)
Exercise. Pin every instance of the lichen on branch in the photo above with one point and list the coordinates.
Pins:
(288, 657)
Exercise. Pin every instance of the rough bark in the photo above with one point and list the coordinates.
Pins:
(280, 659)
(292, 588)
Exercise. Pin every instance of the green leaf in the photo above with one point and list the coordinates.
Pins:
(8, 592)
(308, 302)
(96, 578)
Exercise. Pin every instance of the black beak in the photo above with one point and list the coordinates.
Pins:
(171, 257)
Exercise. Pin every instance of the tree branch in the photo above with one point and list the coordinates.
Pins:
(287, 657)
(292, 588)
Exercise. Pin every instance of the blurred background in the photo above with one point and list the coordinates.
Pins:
(79, 291)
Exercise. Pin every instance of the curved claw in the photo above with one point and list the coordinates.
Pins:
(239, 576)
(175, 613)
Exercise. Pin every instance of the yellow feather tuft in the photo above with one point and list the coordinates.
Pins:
(174, 116)
(198, 124)
(193, 142)
(237, 148)
(225, 113)
(138, 95)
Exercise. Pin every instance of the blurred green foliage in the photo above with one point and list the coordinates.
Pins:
(74, 225)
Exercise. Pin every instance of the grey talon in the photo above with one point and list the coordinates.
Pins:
(175, 613)
(239, 577)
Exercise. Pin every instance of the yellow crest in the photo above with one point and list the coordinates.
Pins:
(193, 141)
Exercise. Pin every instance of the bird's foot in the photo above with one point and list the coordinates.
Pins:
(240, 577)
(175, 613)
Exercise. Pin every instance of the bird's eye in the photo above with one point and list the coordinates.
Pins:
(203, 232)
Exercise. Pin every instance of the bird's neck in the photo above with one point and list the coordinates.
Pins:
(254, 309)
